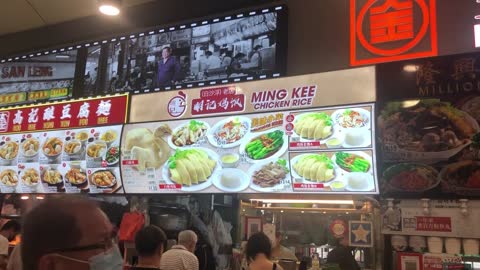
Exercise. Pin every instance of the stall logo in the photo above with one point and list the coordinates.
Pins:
(4, 116)
(391, 30)
(177, 105)
(299, 96)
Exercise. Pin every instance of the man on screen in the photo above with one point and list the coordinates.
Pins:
(168, 69)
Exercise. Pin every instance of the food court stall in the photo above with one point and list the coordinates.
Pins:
(205, 149)
(428, 131)
(68, 147)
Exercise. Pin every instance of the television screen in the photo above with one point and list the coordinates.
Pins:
(232, 48)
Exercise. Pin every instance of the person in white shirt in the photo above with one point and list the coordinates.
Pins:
(15, 260)
(181, 257)
(212, 61)
(8, 233)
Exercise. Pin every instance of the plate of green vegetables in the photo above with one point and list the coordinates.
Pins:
(264, 145)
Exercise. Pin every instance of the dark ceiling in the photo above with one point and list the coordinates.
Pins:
(136, 18)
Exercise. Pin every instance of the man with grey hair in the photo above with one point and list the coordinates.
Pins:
(181, 257)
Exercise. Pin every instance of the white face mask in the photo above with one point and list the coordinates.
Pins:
(109, 260)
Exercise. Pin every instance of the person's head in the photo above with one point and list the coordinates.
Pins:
(208, 54)
(166, 52)
(10, 229)
(188, 239)
(258, 47)
(150, 242)
(342, 241)
(278, 239)
(258, 244)
(68, 233)
(239, 56)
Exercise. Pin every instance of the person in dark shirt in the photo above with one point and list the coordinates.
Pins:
(150, 242)
(168, 69)
(342, 255)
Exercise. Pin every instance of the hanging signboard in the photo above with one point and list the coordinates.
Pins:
(385, 31)
(53, 148)
(429, 129)
(69, 114)
(270, 136)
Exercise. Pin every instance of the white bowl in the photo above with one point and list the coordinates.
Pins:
(435, 244)
(471, 246)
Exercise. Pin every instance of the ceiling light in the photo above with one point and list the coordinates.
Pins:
(410, 68)
(109, 7)
(304, 201)
(24, 197)
(40, 197)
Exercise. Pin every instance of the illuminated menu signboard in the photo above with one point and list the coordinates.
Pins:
(61, 158)
(223, 142)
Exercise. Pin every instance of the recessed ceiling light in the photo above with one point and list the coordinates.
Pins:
(109, 7)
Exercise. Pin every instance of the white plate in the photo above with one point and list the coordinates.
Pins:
(217, 126)
(277, 154)
(243, 180)
(195, 187)
(169, 138)
(365, 114)
(370, 183)
(367, 138)
(258, 166)
(296, 175)
(322, 141)
(358, 153)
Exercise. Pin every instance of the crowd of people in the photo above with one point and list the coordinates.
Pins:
(73, 233)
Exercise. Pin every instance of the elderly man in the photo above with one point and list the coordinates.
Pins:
(181, 257)
(69, 233)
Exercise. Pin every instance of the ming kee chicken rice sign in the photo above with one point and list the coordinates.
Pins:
(391, 30)
(69, 114)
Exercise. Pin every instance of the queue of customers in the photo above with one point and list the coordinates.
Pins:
(73, 233)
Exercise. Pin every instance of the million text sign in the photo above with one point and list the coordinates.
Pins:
(69, 114)
(391, 30)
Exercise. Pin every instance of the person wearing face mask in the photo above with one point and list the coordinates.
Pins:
(7, 234)
(70, 233)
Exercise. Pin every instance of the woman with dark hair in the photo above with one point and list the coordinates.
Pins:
(258, 252)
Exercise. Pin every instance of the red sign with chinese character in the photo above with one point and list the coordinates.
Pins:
(70, 114)
(302, 145)
(170, 186)
(218, 100)
(434, 224)
(130, 162)
(391, 30)
(308, 186)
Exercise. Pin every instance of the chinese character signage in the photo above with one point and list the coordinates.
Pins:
(273, 95)
(328, 150)
(443, 218)
(49, 94)
(429, 126)
(64, 115)
(13, 98)
(218, 100)
(61, 161)
(391, 30)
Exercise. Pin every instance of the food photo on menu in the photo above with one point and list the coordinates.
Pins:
(9, 150)
(71, 161)
(430, 146)
(236, 154)
(342, 128)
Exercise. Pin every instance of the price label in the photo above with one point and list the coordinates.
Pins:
(170, 186)
(130, 162)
